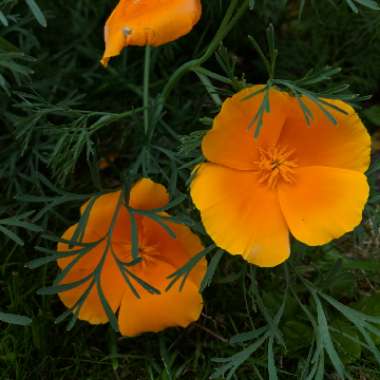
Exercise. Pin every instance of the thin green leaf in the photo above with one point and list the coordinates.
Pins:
(107, 308)
(212, 267)
(272, 370)
(326, 338)
(134, 236)
(3, 19)
(37, 13)
(15, 319)
(49, 290)
(11, 235)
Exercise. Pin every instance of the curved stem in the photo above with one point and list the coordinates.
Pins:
(148, 51)
(229, 20)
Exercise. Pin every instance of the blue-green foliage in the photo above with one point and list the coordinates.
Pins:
(315, 317)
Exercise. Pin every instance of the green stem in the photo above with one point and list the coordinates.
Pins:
(229, 20)
(148, 51)
(107, 119)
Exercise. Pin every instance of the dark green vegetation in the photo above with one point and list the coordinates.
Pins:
(316, 317)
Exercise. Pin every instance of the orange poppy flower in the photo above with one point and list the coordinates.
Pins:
(148, 22)
(161, 254)
(304, 179)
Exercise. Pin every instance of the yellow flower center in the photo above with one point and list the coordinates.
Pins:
(275, 164)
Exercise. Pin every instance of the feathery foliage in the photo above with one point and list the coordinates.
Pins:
(62, 114)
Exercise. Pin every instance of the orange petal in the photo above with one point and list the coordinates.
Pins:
(153, 313)
(88, 259)
(147, 195)
(144, 195)
(112, 285)
(148, 22)
(240, 215)
(231, 142)
(345, 145)
(323, 203)
(92, 310)
(174, 251)
(102, 210)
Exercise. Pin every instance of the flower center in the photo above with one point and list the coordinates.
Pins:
(146, 252)
(150, 254)
(275, 164)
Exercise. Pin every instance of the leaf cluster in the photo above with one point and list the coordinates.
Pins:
(62, 114)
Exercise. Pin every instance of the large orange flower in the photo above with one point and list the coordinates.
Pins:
(148, 22)
(161, 255)
(304, 179)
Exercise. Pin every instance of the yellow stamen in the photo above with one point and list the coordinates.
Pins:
(275, 164)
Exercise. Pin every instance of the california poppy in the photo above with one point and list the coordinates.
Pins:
(148, 22)
(304, 179)
(161, 254)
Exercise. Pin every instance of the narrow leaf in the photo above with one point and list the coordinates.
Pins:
(37, 13)
(15, 319)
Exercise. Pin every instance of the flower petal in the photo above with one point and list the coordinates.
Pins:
(174, 251)
(148, 22)
(101, 210)
(231, 142)
(87, 260)
(144, 195)
(112, 284)
(323, 203)
(240, 215)
(153, 313)
(147, 195)
(92, 310)
(345, 145)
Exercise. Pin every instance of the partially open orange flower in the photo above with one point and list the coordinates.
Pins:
(161, 254)
(304, 179)
(148, 22)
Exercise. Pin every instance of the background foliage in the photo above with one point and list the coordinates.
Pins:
(61, 114)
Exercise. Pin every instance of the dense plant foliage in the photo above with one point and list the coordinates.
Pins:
(71, 129)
